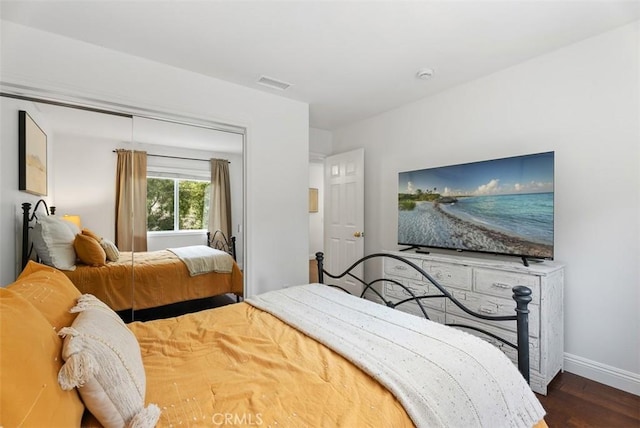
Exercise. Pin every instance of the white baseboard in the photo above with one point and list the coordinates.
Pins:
(608, 375)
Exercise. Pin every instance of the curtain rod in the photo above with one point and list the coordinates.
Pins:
(176, 157)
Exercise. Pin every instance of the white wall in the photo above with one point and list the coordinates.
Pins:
(320, 142)
(276, 198)
(84, 170)
(582, 102)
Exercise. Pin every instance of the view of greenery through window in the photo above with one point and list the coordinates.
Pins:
(168, 196)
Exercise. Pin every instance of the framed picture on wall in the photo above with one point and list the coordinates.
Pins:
(32, 156)
(313, 200)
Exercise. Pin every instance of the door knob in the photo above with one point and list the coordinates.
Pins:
(358, 234)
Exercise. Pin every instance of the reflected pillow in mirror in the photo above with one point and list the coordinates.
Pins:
(89, 251)
(72, 226)
(91, 234)
(53, 241)
(113, 254)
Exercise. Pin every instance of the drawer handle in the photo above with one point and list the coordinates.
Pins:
(501, 285)
(486, 310)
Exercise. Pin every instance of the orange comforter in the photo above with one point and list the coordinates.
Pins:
(238, 365)
(160, 278)
(242, 366)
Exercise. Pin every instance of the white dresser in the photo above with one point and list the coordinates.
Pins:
(484, 285)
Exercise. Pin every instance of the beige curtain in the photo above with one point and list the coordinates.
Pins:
(220, 203)
(131, 201)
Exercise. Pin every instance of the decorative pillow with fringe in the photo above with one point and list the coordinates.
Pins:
(102, 359)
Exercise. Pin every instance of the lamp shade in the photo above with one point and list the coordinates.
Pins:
(75, 219)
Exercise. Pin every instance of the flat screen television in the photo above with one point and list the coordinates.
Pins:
(500, 206)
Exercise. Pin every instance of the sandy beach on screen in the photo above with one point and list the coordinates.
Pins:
(431, 220)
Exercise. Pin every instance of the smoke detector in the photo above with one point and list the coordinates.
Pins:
(425, 73)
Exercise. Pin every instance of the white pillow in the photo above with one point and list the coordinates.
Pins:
(102, 359)
(113, 254)
(53, 241)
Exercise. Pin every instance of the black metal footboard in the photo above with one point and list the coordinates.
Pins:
(521, 295)
(219, 241)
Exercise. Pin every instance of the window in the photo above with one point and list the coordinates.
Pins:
(175, 204)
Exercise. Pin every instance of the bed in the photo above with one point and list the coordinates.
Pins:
(132, 280)
(308, 355)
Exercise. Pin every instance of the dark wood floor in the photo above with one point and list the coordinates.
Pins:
(573, 401)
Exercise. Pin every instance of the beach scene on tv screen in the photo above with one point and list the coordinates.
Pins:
(502, 206)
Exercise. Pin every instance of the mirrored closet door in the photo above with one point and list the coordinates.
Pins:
(177, 183)
(80, 165)
(133, 186)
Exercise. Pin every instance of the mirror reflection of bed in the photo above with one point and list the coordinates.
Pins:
(83, 168)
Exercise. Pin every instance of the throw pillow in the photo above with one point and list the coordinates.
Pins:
(89, 251)
(31, 359)
(113, 254)
(72, 226)
(53, 241)
(91, 234)
(49, 291)
(102, 359)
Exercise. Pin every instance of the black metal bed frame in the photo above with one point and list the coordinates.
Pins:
(219, 241)
(27, 218)
(521, 295)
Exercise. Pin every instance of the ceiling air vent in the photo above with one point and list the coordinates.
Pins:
(273, 83)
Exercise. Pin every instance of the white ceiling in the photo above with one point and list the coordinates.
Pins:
(348, 59)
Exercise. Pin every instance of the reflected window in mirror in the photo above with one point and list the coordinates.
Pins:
(175, 204)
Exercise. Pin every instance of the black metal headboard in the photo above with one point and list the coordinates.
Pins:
(219, 241)
(521, 295)
(27, 217)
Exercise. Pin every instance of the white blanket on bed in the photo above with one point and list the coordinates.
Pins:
(201, 259)
(443, 377)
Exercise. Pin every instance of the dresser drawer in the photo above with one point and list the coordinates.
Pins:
(395, 292)
(494, 306)
(534, 343)
(449, 275)
(498, 283)
(398, 268)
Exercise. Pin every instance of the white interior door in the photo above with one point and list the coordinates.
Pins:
(344, 215)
